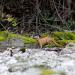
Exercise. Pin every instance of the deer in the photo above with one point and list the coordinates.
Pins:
(46, 40)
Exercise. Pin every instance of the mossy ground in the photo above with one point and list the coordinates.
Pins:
(64, 37)
(5, 35)
(61, 38)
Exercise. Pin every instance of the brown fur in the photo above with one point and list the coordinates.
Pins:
(45, 40)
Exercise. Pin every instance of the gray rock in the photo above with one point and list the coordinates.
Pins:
(16, 42)
(3, 45)
(11, 43)
(69, 49)
(31, 46)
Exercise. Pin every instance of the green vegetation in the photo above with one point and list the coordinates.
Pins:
(64, 42)
(64, 37)
(25, 39)
(5, 35)
(47, 72)
(12, 20)
(2, 38)
(49, 46)
(44, 34)
(61, 38)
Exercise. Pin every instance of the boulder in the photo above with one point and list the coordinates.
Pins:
(11, 43)
(69, 49)
(16, 42)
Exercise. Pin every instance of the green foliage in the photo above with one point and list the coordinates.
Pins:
(44, 34)
(25, 39)
(53, 44)
(60, 38)
(64, 36)
(28, 40)
(70, 25)
(12, 21)
(49, 46)
(2, 38)
(3, 35)
(8, 35)
(63, 42)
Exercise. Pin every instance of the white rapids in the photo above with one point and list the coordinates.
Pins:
(23, 63)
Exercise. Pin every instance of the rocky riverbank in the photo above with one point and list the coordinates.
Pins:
(29, 62)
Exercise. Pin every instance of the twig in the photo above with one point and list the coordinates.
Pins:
(58, 12)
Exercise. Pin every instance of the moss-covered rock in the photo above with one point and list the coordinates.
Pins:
(5, 35)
